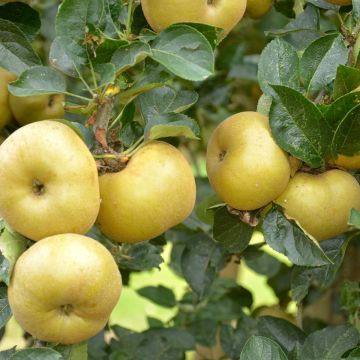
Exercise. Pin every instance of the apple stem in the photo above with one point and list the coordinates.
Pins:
(103, 116)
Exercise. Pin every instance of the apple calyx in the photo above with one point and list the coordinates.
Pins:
(67, 309)
(38, 187)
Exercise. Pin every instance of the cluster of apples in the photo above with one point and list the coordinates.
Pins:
(249, 170)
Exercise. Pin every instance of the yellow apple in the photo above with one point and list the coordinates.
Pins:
(340, 2)
(49, 181)
(29, 109)
(245, 166)
(64, 288)
(258, 8)
(155, 192)
(5, 113)
(160, 14)
(321, 204)
(348, 162)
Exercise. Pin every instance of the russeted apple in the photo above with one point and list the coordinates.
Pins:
(64, 288)
(258, 8)
(321, 203)
(160, 14)
(155, 192)
(28, 109)
(49, 181)
(245, 166)
(5, 113)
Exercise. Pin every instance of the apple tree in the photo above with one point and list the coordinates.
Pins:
(146, 84)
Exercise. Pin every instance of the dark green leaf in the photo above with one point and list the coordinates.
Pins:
(285, 7)
(185, 52)
(6, 354)
(350, 299)
(105, 50)
(299, 127)
(347, 79)
(259, 347)
(60, 60)
(5, 311)
(278, 65)
(22, 15)
(330, 343)
(36, 354)
(38, 80)
(204, 331)
(262, 262)
(129, 55)
(73, 352)
(355, 218)
(287, 238)
(160, 295)
(97, 347)
(232, 233)
(106, 74)
(84, 133)
(320, 61)
(211, 33)
(16, 52)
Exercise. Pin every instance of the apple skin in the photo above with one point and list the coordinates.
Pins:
(29, 109)
(258, 8)
(245, 166)
(64, 288)
(340, 2)
(5, 113)
(321, 204)
(160, 14)
(348, 162)
(51, 181)
(155, 192)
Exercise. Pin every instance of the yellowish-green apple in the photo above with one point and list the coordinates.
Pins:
(258, 8)
(321, 203)
(224, 14)
(348, 162)
(64, 288)
(28, 109)
(245, 166)
(340, 2)
(49, 180)
(155, 192)
(5, 113)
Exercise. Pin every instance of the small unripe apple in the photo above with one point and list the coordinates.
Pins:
(155, 192)
(321, 204)
(245, 166)
(5, 113)
(160, 14)
(29, 109)
(258, 8)
(64, 288)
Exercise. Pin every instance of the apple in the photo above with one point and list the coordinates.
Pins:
(160, 14)
(245, 166)
(64, 288)
(155, 192)
(348, 162)
(29, 109)
(51, 181)
(321, 204)
(258, 8)
(340, 2)
(5, 113)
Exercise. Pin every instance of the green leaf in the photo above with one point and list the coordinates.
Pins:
(347, 79)
(160, 295)
(36, 354)
(349, 299)
(12, 245)
(232, 233)
(60, 60)
(287, 238)
(73, 352)
(24, 16)
(261, 262)
(38, 80)
(320, 61)
(129, 55)
(201, 259)
(106, 49)
(330, 343)
(299, 127)
(16, 52)
(347, 134)
(355, 218)
(278, 65)
(210, 32)
(106, 74)
(86, 135)
(5, 311)
(259, 347)
(283, 332)
(264, 104)
(321, 277)
(185, 52)
(6, 354)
